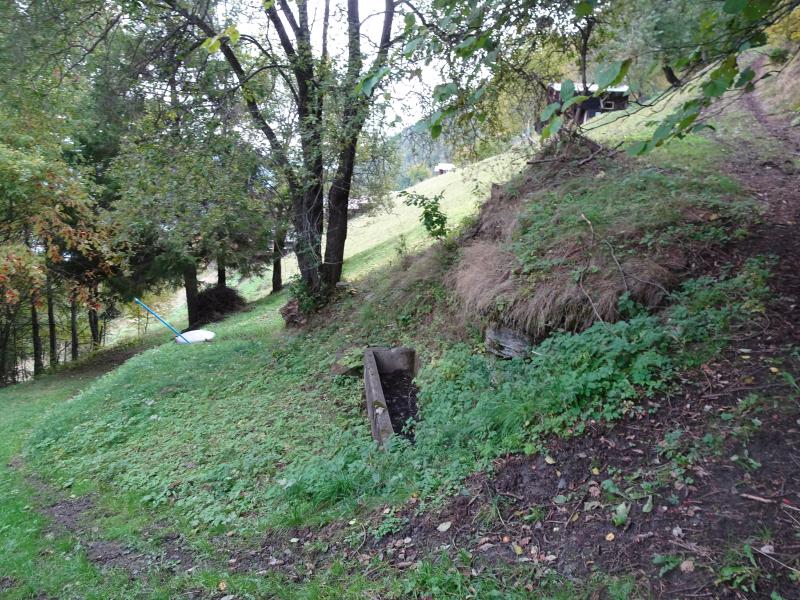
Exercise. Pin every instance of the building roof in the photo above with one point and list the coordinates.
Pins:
(620, 89)
(444, 167)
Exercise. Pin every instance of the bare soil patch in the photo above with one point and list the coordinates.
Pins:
(400, 394)
(7, 583)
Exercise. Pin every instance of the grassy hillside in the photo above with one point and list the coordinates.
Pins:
(244, 468)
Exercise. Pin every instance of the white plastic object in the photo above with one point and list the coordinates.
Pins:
(194, 336)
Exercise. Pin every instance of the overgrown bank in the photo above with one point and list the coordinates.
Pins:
(245, 447)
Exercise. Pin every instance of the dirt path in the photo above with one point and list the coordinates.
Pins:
(76, 516)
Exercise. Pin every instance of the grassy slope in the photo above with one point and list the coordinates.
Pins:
(212, 403)
(212, 438)
(36, 558)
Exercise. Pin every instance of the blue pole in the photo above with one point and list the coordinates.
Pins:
(163, 322)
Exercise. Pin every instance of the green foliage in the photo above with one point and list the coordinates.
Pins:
(684, 39)
(189, 200)
(433, 219)
(308, 300)
(667, 562)
(390, 524)
(620, 516)
(740, 570)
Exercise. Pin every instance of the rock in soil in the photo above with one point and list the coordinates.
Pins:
(506, 342)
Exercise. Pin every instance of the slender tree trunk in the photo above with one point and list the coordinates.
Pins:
(73, 329)
(14, 356)
(338, 199)
(94, 319)
(51, 325)
(104, 329)
(222, 280)
(94, 326)
(38, 362)
(4, 337)
(353, 118)
(586, 34)
(192, 287)
(277, 257)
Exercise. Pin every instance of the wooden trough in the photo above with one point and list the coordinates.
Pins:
(380, 362)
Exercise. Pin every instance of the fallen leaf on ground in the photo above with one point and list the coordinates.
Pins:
(610, 537)
(687, 566)
(444, 526)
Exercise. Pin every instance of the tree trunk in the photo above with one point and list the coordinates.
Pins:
(5, 334)
(338, 199)
(586, 34)
(94, 326)
(73, 329)
(673, 79)
(94, 318)
(277, 257)
(191, 285)
(307, 220)
(14, 356)
(222, 281)
(38, 362)
(353, 118)
(51, 325)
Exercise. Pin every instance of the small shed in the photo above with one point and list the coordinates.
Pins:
(611, 99)
(443, 168)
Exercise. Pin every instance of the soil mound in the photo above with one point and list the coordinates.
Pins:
(214, 303)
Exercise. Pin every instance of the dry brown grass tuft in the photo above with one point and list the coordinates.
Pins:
(584, 286)
(483, 279)
(488, 285)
